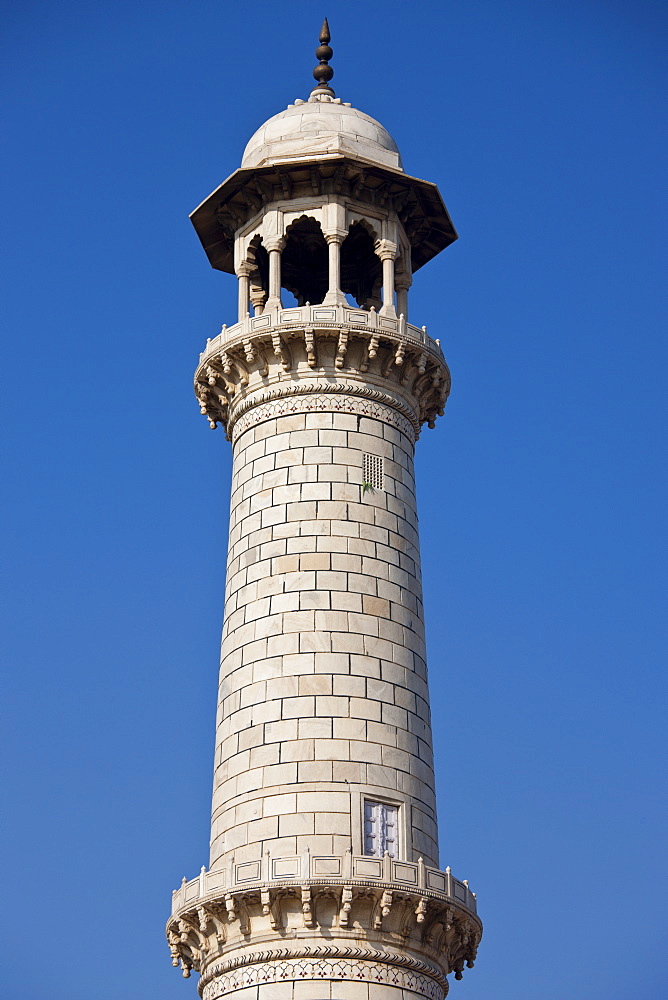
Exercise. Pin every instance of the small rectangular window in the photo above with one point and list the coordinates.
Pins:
(372, 471)
(381, 829)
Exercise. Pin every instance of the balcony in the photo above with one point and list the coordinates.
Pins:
(319, 869)
(323, 318)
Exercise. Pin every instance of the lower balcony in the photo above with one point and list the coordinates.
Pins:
(319, 869)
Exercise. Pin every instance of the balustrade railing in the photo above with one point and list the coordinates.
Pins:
(319, 317)
(319, 868)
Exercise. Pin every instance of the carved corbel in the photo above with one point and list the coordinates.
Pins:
(381, 193)
(244, 917)
(281, 351)
(356, 183)
(405, 358)
(244, 922)
(309, 342)
(190, 953)
(225, 362)
(202, 392)
(306, 907)
(422, 386)
(341, 348)
(433, 919)
(230, 907)
(269, 909)
(383, 909)
(244, 373)
(203, 918)
(286, 185)
(173, 940)
(421, 910)
(367, 348)
(346, 905)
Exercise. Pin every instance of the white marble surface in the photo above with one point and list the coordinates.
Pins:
(311, 130)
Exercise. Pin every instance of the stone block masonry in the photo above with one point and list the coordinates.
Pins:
(323, 694)
(324, 858)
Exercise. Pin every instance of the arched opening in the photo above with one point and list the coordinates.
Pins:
(361, 270)
(258, 258)
(304, 261)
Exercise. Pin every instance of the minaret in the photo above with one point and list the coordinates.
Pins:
(324, 877)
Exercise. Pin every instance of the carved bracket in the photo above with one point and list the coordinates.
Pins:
(434, 930)
(262, 358)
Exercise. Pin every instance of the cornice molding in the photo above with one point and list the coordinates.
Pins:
(428, 933)
(328, 359)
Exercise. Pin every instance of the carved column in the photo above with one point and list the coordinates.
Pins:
(335, 296)
(403, 282)
(274, 247)
(243, 274)
(258, 297)
(387, 251)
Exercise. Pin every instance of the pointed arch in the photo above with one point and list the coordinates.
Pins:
(258, 258)
(304, 261)
(361, 270)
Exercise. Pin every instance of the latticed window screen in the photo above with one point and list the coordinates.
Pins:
(372, 471)
(381, 829)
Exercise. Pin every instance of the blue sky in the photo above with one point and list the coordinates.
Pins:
(541, 494)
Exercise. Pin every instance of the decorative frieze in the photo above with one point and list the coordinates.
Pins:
(378, 933)
(318, 397)
(266, 363)
(359, 968)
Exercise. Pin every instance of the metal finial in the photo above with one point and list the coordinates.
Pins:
(323, 72)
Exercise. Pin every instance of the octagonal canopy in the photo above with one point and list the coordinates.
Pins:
(322, 147)
(317, 129)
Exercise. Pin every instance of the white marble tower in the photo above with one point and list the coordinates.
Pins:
(324, 877)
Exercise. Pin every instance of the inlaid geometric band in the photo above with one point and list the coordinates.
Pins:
(322, 397)
(346, 969)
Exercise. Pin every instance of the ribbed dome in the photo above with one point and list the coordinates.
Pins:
(316, 129)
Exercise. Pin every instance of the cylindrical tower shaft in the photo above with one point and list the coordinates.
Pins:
(323, 700)
(324, 843)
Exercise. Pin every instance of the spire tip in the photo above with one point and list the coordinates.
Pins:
(323, 72)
